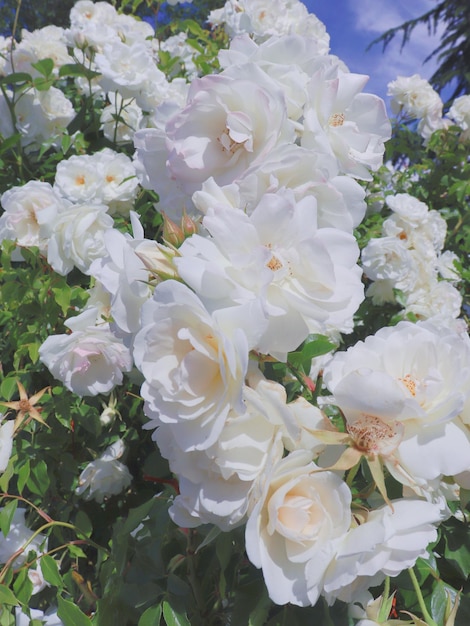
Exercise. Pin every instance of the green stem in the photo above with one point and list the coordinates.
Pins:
(419, 595)
(192, 574)
(386, 591)
(301, 377)
(38, 532)
(17, 15)
(384, 611)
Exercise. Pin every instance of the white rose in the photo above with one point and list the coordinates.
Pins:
(435, 299)
(85, 12)
(446, 266)
(306, 278)
(78, 179)
(150, 162)
(221, 132)
(105, 177)
(287, 60)
(401, 392)
(415, 96)
(78, 238)
(43, 116)
(131, 70)
(31, 211)
(294, 529)
(390, 541)
(119, 184)
(194, 363)
(216, 485)
(90, 360)
(219, 485)
(43, 43)
(409, 208)
(124, 275)
(387, 258)
(460, 111)
(341, 121)
(106, 476)
(265, 18)
(340, 199)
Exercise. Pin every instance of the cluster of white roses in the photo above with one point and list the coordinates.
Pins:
(409, 257)
(265, 156)
(415, 98)
(121, 49)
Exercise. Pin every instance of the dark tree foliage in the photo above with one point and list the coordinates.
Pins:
(453, 52)
(35, 14)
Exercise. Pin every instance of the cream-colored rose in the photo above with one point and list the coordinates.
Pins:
(294, 529)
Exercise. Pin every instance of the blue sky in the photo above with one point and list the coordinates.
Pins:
(353, 24)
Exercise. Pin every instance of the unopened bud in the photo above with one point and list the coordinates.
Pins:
(188, 225)
(172, 233)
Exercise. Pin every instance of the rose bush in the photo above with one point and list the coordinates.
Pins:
(239, 339)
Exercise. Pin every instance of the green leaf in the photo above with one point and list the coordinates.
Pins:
(224, 549)
(317, 345)
(7, 596)
(9, 143)
(76, 69)
(5, 316)
(135, 517)
(76, 551)
(457, 548)
(50, 571)
(260, 612)
(62, 296)
(151, 617)
(44, 67)
(23, 587)
(209, 538)
(16, 78)
(33, 351)
(6, 515)
(23, 475)
(8, 473)
(439, 597)
(424, 567)
(38, 481)
(82, 521)
(173, 617)
(8, 388)
(42, 84)
(251, 602)
(70, 614)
